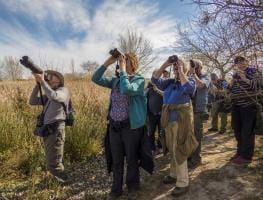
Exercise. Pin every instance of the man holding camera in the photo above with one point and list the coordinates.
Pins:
(200, 100)
(53, 129)
(177, 120)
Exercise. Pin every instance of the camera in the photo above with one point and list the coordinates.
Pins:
(115, 53)
(192, 64)
(236, 76)
(28, 63)
(173, 59)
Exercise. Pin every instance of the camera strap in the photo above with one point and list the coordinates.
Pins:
(42, 100)
(116, 70)
(41, 95)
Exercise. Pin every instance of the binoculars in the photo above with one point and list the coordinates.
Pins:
(173, 59)
(115, 53)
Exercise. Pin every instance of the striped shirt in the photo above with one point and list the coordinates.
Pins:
(241, 90)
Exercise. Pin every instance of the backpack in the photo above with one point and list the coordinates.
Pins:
(70, 113)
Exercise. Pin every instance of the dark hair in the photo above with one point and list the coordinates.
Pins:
(239, 59)
(213, 76)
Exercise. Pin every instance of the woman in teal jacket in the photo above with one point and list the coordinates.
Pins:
(127, 114)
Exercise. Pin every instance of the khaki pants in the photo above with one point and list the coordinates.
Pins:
(176, 171)
(215, 112)
(54, 148)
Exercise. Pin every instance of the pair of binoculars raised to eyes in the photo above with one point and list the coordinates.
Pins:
(116, 53)
(173, 59)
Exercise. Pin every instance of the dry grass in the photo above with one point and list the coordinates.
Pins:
(19, 148)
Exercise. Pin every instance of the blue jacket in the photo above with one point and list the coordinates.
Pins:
(134, 88)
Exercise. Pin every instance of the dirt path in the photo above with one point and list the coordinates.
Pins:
(215, 179)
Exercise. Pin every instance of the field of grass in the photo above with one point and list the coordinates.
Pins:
(21, 152)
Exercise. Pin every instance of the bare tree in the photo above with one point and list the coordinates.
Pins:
(218, 36)
(89, 66)
(11, 68)
(135, 42)
(72, 66)
(241, 12)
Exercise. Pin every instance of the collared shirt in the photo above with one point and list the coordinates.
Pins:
(200, 99)
(175, 93)
(53, 100)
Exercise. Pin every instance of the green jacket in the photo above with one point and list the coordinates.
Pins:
(134, 88)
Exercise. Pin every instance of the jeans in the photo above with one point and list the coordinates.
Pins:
(215, 113)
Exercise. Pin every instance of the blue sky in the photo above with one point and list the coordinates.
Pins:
(55, 32)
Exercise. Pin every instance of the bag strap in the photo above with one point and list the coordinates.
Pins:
(44, 109)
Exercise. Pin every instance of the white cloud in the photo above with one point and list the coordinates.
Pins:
(70, 12)
(111, 19)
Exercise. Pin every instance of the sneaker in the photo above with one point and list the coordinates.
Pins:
(241, 161)
(132, 195)
(113, 196)
(169, 180)
(212, 129)
(178, 191)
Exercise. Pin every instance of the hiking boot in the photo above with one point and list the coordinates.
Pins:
(221, 132)
(193, 164)
(113, 196)
(241, 161)
(234, 157)
(169, 180)
(132, 195)
(178, 191)
(212, 129)
(61, 177)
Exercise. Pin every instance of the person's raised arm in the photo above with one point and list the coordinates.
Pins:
(158, 73)
(98, 78)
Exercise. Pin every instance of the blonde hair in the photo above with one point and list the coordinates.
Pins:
(133, 58)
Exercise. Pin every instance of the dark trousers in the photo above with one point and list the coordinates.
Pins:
(198, 131)
(243, 121)
(154, 123)
(125, 142)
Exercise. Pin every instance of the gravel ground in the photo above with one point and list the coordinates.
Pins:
(215, 179)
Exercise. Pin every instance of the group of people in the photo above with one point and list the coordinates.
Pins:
(176, 106)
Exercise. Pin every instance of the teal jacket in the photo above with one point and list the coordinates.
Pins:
(134, 88)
